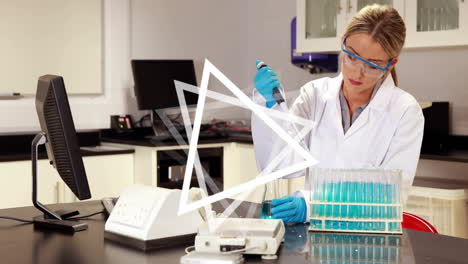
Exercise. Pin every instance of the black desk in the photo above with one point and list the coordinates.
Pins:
(22, 244)
(140, 138)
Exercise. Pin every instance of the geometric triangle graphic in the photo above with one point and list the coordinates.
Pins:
(265, 114)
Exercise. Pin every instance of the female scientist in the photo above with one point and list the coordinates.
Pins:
(363, 120)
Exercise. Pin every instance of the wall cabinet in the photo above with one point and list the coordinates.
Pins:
(429, 23)
(107, 176)
(320, 24)
(433, 23)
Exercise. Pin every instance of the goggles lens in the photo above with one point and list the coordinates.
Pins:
(369, 69)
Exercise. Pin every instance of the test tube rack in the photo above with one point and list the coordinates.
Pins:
(355, 200)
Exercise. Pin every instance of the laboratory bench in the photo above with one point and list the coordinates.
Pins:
(109, 170)
(22, 243)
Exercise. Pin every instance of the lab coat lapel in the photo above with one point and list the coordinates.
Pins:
(360, 122)
(333, 101)
(378, 103)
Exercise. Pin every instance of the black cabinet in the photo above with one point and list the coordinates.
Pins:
(172, 164)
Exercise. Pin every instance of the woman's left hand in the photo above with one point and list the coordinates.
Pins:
(290, 209)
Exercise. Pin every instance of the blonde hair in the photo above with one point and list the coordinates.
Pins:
(384, 25)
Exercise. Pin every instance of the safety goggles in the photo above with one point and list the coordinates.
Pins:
(368, 68)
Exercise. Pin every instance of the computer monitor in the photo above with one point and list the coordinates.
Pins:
(59, 136)
(154, 82)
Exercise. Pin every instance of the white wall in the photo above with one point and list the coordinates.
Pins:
(438, 75)
(198, 30)
(88, 111)
(233, 34)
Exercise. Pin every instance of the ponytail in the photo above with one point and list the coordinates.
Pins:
(394, 76)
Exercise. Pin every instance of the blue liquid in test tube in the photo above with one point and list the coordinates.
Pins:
(366, 208)
(352, 208)
(336, 199)
(380, 209)
(388, 195)
(358, 208)
(394, 201)
(373, 199)
(322, 198)
(329, 211)
(344, 208)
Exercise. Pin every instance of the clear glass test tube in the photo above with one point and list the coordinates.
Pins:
(352, 199)
(373, 199)
(359, 198)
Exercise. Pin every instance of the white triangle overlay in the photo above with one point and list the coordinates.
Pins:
(263, 113)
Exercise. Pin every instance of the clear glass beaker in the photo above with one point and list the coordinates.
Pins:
(268, 195)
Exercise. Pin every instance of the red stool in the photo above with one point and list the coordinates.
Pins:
(411, 221)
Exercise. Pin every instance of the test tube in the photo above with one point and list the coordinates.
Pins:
(344, 199)
(315, 196)
(389, 195)
(358, 199)
(380, 199)
(374, 199)
(328, 197)
(336, 193)
(367, 199)
(314, 208)
(319, 209)
(396, 197)
(321, 192)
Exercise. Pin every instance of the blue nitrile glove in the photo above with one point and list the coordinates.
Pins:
(265, 81)
(291, 209)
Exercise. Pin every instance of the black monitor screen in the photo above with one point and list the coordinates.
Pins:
(154, 82)
(62, 146)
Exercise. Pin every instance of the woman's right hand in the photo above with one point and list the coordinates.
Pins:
(265, 81)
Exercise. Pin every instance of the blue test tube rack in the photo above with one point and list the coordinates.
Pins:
(356, 200)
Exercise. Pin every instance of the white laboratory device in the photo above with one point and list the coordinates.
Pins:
(146, 217)
(245, 235)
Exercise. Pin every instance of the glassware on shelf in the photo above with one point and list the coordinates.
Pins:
(437, 15)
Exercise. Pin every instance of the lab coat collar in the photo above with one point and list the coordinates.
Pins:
(380, 100)
(383, 96)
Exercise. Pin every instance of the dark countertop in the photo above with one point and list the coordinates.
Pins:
(141, 137)
(454, 148)
(446, 184)
(85, 152)
(21, 243)
(17, 146)
(452, 155)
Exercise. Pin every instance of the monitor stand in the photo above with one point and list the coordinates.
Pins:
(50, 220)
(160, 130)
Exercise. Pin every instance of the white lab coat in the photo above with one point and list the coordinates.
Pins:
(387, 134)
